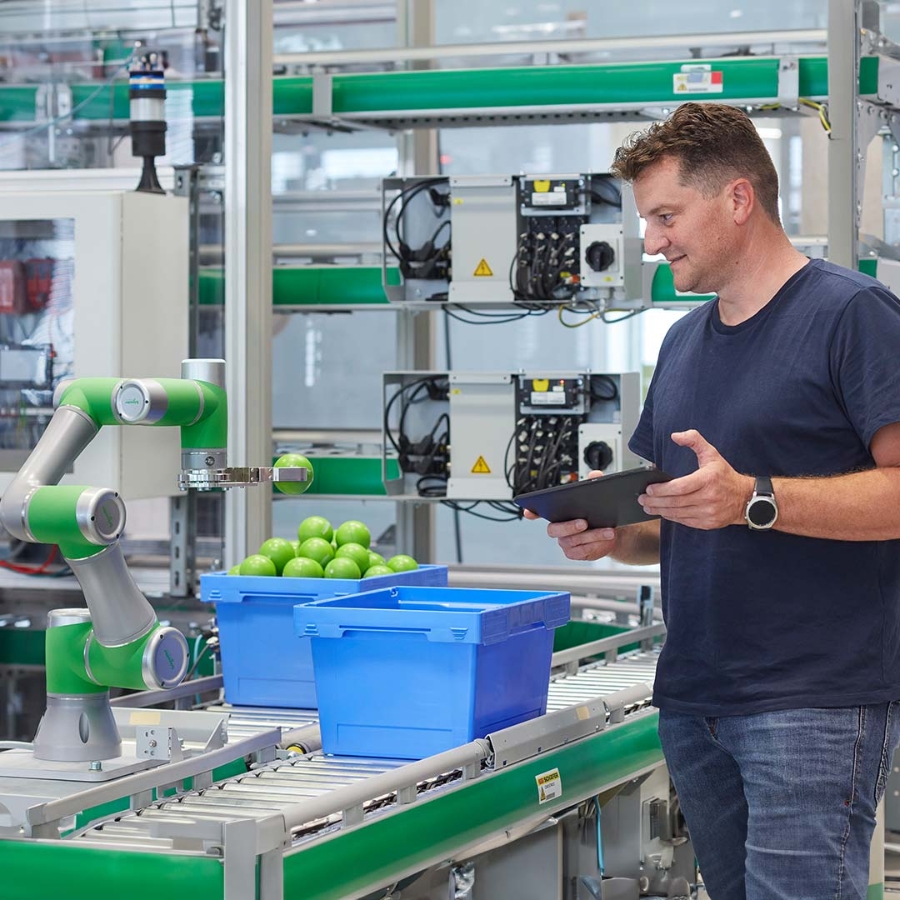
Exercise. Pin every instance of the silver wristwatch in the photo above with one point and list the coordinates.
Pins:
(762, 510)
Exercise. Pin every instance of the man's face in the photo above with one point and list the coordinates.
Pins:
(693, 232)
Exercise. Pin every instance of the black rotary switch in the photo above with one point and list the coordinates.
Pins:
(600, 256)
(598, 455)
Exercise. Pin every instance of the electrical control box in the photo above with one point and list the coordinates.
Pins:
(490, 436)
(530, 241)
(92, 283)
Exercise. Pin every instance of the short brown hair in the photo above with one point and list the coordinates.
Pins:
(713, 142)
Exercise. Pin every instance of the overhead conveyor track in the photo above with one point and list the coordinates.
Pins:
(496, 95)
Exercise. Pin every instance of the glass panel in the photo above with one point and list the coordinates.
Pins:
(472, 21)
(37, 269)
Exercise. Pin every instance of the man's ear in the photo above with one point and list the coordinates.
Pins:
(743, 200)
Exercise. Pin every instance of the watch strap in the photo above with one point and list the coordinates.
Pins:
(763, 485)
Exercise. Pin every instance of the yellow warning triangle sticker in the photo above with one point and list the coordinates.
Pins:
(481, 467)
(483, 269)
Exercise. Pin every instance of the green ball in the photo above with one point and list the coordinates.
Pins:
(353, 532)
(279, 551)
(356, 552)
(294, 460)
(376, 570)
(402, 563)
(315, 526)
(303, 567)
(376, 559)
(342, 567)
(318, 549)
(235, 570)
(257, 564)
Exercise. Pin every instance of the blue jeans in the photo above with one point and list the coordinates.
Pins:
(781, 805)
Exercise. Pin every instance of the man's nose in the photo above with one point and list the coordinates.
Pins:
(655, 240)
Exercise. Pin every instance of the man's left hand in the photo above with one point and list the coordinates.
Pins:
(712, 497)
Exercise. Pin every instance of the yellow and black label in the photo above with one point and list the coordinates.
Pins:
(549, 785)
(483, 270)
(481, 467)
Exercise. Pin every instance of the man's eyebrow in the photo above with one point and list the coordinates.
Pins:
(656, 209)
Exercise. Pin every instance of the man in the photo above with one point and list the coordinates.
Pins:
(776, 407)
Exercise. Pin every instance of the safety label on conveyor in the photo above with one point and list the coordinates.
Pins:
(697, 79)
(481, 467)
(483, 270)
(549, 786)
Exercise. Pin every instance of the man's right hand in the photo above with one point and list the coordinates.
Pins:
(576, 540)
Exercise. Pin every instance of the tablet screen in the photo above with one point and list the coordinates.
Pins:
(603, 502)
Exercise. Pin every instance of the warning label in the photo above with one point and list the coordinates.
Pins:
(483, 270)
(481, 467)
(697, 79)
(549, 786)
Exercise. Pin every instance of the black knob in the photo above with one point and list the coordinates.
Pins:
(598, 455)
(600, 256)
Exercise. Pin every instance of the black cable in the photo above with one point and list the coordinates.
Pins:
(489, 319)
(400, 391)
(604, 317)
(404, 408)
(603, 379)
(506, 506)
(548, 457)
(423, 489)
(471, 511)
(407, 195)
(206, 648)
(529, 484)
(613, 196)
(507, 469)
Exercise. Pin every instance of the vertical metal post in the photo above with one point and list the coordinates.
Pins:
(844, 159)
(182, 562)
(415, 331)
(183, 508)
(187, 185)
(248, 264)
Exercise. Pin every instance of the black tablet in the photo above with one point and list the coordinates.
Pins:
(603, 502)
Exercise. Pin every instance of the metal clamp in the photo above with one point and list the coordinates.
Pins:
(238, 476)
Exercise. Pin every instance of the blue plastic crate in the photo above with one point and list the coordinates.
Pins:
(407, 672)
(264, 663)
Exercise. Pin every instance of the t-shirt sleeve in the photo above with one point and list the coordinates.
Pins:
(641, 442)
(864, 361)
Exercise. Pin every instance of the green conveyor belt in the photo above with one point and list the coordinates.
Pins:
(344, 864)
(382, 93)
(351, 475)
(298, 286)
(310, 285)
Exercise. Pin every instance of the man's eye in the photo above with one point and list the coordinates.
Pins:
(665, 218)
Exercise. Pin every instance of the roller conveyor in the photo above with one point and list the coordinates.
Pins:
(303, 824)
(287, 785)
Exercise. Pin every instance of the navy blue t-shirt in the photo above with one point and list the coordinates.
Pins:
(761, 621)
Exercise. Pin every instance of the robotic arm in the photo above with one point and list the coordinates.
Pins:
(118, 640)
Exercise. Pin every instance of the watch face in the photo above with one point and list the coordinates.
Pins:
(762, 512)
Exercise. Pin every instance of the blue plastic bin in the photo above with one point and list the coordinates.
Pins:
(264, 663)
(407, 672)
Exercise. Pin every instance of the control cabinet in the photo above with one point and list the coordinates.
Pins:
(492, 435)
(527, 240)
